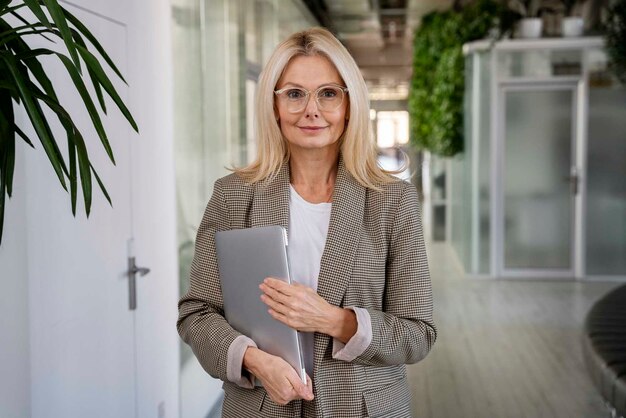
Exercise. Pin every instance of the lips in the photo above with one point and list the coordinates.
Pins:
(312, 128)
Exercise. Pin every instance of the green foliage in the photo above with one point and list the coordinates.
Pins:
(24, 82)
(438, 82)
(616, 39)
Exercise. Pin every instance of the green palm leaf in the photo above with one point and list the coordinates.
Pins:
(92, 39)
(91, 108)
(7, 151)
(76, 147)
(22, 135)
(35, 7)
(37, 118)
(59, 19)
(24, 82)
(98, 71)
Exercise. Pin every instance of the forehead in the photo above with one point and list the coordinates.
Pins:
(310, 71)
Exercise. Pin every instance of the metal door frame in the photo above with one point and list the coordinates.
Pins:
(577, 160)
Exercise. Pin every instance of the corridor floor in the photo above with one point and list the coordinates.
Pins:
(505, 348)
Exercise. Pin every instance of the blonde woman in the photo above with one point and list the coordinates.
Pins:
(362, 297)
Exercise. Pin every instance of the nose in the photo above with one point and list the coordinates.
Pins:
(311, 109)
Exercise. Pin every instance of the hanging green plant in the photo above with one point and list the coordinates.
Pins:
(23, 82)
(438, 81)
(615, 33)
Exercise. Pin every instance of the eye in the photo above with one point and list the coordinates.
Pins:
(328, 93)
(294, 94)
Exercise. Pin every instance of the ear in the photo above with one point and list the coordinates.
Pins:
(276, 114)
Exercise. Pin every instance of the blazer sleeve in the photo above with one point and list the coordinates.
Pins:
(201, 322)
(404, 331)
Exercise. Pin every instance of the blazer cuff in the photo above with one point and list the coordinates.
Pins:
(359, 341)
(234, 363)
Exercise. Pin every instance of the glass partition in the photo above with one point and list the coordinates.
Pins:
(606, 180)
(538, 200)
(483, 157)
(219, 48)
(540, 63)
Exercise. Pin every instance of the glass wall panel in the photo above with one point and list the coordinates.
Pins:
(539, 63)
(538, 202)
(484, 165)
(606, 181)
(459, 222)
(438, 197)
(219, 48)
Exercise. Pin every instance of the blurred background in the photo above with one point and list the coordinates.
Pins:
(509, 117)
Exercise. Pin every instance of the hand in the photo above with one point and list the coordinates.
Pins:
(301, 308)
(279, 379)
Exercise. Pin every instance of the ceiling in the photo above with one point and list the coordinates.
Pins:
(378, 34)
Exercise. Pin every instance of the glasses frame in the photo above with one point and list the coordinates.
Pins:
(308, 96)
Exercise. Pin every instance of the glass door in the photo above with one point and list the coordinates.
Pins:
(538, 181)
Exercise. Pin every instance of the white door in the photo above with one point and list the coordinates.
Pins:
(82, 339)
(92, 356)
(539, 180)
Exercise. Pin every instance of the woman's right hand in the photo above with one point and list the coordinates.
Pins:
(279, 378)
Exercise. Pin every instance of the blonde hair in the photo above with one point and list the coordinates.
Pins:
(356, 143)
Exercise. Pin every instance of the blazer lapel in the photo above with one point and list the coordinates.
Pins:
(346, 222)
(270, 204)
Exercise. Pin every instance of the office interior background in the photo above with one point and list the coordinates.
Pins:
(525, 227)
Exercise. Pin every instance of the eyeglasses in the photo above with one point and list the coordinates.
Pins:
(328, 97)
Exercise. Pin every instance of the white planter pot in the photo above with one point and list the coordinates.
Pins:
(572, 27)
(530, 28)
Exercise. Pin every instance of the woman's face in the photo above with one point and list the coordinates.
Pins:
(312, 127)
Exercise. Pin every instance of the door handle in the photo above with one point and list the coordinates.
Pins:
(573, 179)
(132, 285)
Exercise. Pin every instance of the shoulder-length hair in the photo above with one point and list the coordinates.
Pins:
(356, 143)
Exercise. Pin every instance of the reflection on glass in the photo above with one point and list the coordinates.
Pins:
(539, 63)
(537, 196)
(606, 186)
(484, 165)
(218, 46)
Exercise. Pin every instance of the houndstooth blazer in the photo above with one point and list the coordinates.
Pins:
(374, 258)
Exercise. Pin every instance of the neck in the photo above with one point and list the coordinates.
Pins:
(313, 171)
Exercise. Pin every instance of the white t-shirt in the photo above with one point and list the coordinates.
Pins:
(308, 228)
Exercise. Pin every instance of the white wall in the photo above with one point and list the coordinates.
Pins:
(14, 316)
(24, 365)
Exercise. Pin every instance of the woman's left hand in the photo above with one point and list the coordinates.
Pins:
(300, 307)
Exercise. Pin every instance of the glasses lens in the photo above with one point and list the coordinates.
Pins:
(296, 99)
(329, 97)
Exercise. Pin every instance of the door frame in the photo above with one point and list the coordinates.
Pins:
(578, 158)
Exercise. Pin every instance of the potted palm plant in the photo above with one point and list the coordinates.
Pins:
(24, 83)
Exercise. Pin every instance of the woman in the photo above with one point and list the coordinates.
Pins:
(362, 296)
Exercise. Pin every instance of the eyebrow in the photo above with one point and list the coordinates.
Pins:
(290, 83)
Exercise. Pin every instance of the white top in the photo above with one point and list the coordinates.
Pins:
(308, 228)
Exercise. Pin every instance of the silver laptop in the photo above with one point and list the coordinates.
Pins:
(245, 257)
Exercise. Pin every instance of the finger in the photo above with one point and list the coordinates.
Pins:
(277, 306)
(309, 385)
(275, 294)
(278, 285)
(289, 393)
(301, 389)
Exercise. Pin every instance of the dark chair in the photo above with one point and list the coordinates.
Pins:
(604, 347)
